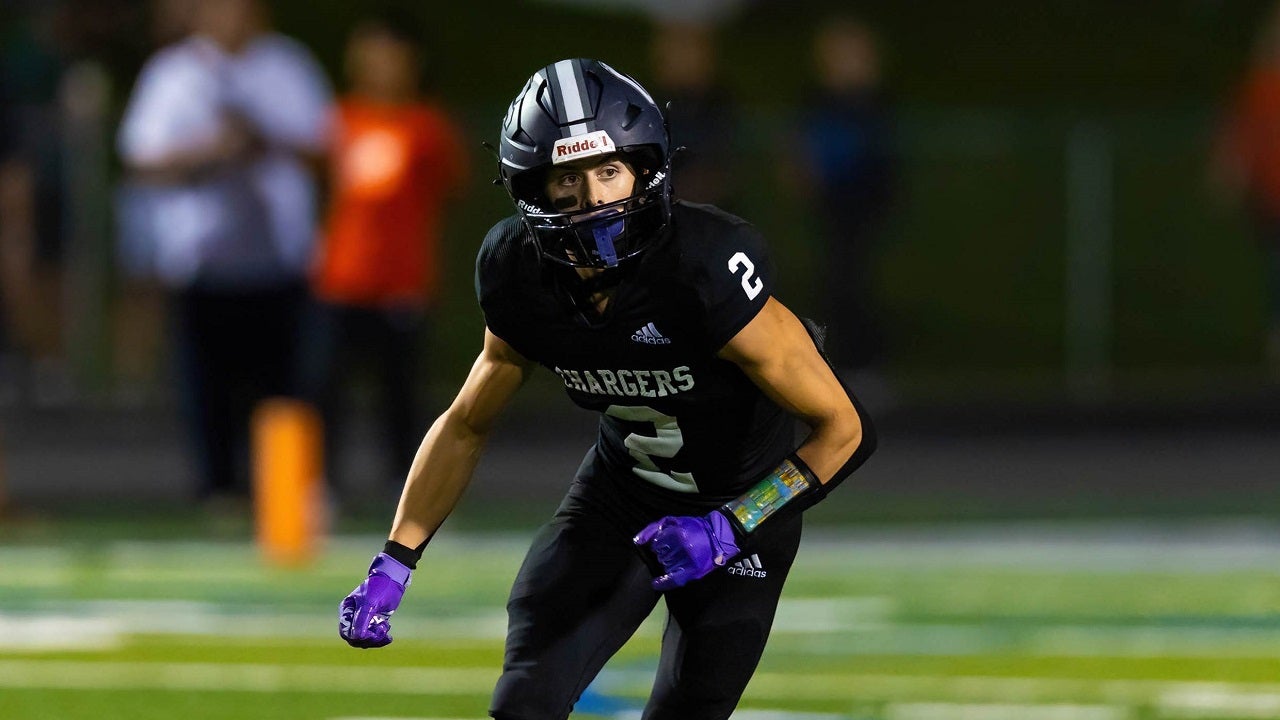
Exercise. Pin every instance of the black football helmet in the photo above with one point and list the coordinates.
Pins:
(573, 109)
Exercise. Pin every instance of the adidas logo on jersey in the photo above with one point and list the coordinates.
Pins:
(748, 567)
(649, 335)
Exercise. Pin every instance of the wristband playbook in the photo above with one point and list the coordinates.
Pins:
(789, 481)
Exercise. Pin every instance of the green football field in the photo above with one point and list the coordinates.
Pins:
(908, 623)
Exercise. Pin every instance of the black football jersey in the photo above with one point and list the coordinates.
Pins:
(673, 415)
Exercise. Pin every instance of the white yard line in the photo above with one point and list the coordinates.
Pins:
(981, 689)
(766, 686)
(58, 634)
(243, 677)
(753, 715)
(1101, 547)
(635, 715)
(1212, 700)
(1001, 711)
(950, 698)
(830, 627)
(94, 624)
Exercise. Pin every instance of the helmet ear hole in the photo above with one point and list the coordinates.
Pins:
(527, 186)
(545, 101)
(644, 160)
(632, 114)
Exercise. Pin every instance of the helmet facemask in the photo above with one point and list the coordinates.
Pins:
(601, 236)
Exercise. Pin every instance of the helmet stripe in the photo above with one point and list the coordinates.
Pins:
(573, 96)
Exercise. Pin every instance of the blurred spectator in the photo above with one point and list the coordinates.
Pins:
(701, 114)
(397, 166)
(1246, 161)
(6, 139)
(225, 125)
(32, 204)
(138, 317)
(848, 151)
(170, 20)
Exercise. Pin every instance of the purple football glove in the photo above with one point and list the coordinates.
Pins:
(364, 617)
(689, 547)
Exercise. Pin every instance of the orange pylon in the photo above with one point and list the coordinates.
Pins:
(287, 469)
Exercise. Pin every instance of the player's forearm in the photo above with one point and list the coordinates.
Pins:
(831, 444)
(441, 471)
(837, 446)
(841, 440)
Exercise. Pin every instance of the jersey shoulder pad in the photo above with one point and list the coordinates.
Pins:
(503, 267)
(499, 258)
(727, 261)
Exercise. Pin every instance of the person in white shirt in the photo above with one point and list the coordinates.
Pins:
(221, 134)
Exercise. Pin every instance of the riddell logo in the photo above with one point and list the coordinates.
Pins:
(572, 148)
(527, 207)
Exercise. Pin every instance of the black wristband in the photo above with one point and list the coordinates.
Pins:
(404, 554)
(817, 489)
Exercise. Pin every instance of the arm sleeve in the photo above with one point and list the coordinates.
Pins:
(870, 440)
(493, 276)
(792, 487)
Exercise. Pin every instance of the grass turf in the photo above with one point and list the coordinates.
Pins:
(884, 628)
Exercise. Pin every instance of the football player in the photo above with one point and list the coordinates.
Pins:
(659, 315)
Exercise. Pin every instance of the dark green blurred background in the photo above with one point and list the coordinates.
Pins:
(989, 96)
(1030, 133)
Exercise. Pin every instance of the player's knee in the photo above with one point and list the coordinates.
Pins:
(706, 678)
(697, 700)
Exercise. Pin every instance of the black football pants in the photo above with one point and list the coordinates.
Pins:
(584, 589)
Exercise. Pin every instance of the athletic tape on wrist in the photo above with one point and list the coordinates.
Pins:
(787, 482)
(404, 554)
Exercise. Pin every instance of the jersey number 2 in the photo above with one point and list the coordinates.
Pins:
(751, 284)
(666, 442)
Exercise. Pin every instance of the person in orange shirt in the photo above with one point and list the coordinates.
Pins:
(396, 165)
(1246, 161)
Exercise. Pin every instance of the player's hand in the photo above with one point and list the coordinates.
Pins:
(364, 617)
(689, 547)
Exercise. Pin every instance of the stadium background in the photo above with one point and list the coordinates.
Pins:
(1057, 258)
(1074, 506)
